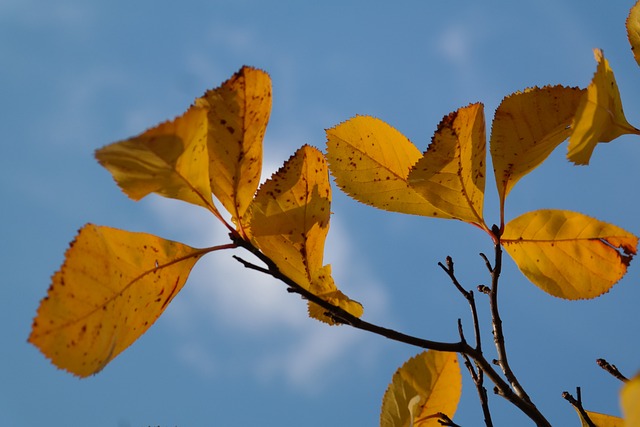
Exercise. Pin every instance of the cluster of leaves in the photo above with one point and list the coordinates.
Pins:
(114, 284)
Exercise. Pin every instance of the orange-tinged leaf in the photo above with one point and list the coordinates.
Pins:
(290, 215)
(322, 285)
(599, 117)
(370, 161)
(526, 128)
(427, 384)
(451, 173)
(111, 288)
(630, 402)
(169, 159)
(238, 112)
(633, 30)
(568, 254)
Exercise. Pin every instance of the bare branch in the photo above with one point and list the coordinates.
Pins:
(577, 403)
(612, 369)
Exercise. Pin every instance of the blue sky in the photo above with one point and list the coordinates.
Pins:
(234, 348)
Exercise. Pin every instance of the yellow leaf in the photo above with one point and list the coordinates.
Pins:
(599, 117)
(425, 385)
(238, 112)
(601, 420)
(169, 159)
(111, 288)
(323, 286)
(451, 173)
(290, 215)
(370, 161)
(630, 402)
(567, 254)
(526, 128)
(633, 30)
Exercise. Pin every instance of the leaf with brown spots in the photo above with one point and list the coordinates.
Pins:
(568, 254)
(170, 159)
(237, 112)
(600, 117)
(112, 287)
(322, 285)
(527, 127)
(290, 219)
(426, 385)
(371, 160)
(451, 173)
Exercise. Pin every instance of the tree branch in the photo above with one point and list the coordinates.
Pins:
(612, 369)
(577, 403)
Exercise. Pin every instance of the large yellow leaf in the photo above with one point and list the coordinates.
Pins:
(322, 285)
(169, 159)
(370, 161)
(425, 385)
(630, 402)
(111, 288)
(567, 254)
(633, 30)
(599, 117)
(526, 128)
(238, 112)
(290, 215)
(451, 173)
(290, 222)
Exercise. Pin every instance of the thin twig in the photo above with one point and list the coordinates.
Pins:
(612, 369)
(347, 318)
(444, 420)
(577, 403)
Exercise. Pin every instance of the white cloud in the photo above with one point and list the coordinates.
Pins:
(246, 302)
(454, 45)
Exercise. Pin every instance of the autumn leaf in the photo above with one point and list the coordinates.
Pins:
(322, 285)
(237, 113)
(526, 128)
(599, 117)
(567, 254)
(633, 30)
(601, 420)
(629, 398)
(451, 173)
(112, 287)
(370, 161)
(169, 159)
(427, 384)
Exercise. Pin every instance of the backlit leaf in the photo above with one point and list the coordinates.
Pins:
(169, 159)
(567, 254)
(323, 286)
(633, 30)
(238, 112)
(425, 385)
(112, 287)
(451, 173)
(599, 117)
(630, 402)
(526, 128)
(370, 161)
(290, 215)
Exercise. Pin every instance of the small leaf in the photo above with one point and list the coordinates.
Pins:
(238, 112)
(290, 215)
(451, 173)
(370, 161)
(629, 398)
(323, 286)
(602, 420)
(427, 384)
(112, 287)
(599, 117)
(526, 128)
(633, 30)
(169, 159)
(567, 254)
